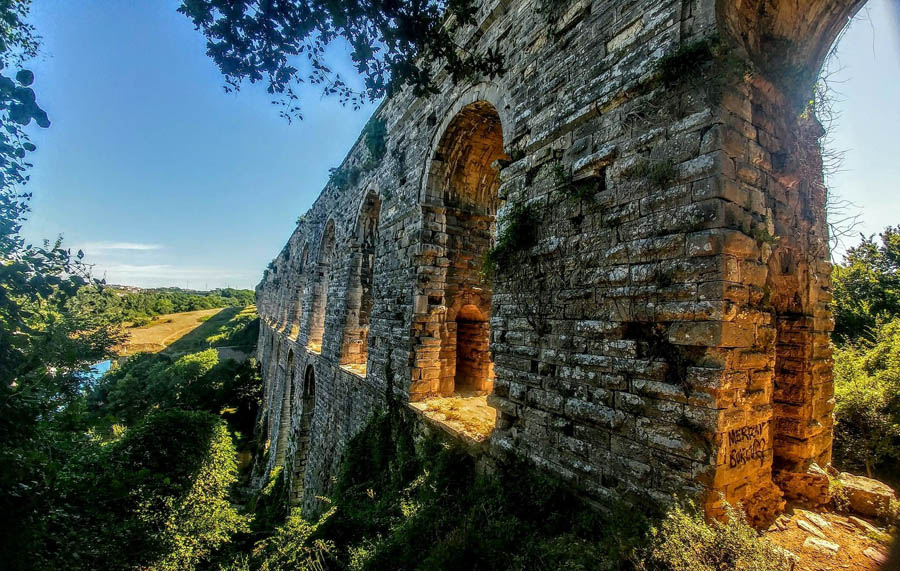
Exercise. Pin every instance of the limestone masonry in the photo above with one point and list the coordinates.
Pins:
(621, 241)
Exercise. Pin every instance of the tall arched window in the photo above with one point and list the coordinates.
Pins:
(308, 408)
(360, 300)
(297, 303)
(284, 421)
(320, 293)
(452, 331)
(272, 384)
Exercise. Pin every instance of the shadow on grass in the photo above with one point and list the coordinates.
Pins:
(233, 327)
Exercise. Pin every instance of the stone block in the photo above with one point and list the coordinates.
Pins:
(866, 496)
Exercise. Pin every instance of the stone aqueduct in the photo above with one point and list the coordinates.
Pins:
(669, 329)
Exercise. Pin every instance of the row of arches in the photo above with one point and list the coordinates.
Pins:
(451, 337)
(292, 429)
(314, 279)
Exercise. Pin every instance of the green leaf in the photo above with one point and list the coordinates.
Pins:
(25, 77)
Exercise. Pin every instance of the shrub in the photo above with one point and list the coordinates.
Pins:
(684, 541)
(293, 546)
(155, 498)
(867, 403)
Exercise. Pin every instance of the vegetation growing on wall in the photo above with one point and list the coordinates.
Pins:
(563, 180)
(408, 503)
(659, 172)
(404, 500)
(375, 138)
(518, 232)
(708, 64)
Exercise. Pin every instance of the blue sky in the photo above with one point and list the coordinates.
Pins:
(864, 74)
(163, 179)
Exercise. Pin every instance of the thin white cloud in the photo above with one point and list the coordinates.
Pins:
(158, 275)
(106, 246)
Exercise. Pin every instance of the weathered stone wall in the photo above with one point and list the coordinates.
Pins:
(668, 330)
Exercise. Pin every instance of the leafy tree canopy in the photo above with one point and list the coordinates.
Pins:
(392, 43)
(867, 286)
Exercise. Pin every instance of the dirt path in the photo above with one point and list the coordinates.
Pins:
(824, 541)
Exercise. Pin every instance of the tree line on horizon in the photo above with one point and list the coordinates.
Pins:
(138, 308)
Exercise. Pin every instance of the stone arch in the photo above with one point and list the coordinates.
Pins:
(284, 421)
(787, 40)
(299, 287)
(360, 299)
(272, 383)
(459, 208)
(774, 151)
(307, 409)
(485, 92)
(320, 293)
(281, 303)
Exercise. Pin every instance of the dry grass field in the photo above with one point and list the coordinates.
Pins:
(165, 330)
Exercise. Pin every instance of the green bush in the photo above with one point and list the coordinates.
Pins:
(155, 498)
(684, 541)
(407, 503)
(867, 403)
(196, 381)
(293, 546)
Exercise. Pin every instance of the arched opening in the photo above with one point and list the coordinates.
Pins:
(308, 408)
(360, 299)
(320, 293)
(297, 301)
(284, 421)
(271, 384)
(775, 148)
(453, 309)
(474, 369)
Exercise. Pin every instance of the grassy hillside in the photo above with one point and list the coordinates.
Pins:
(191, 331)
(234, 327)
(164, 330)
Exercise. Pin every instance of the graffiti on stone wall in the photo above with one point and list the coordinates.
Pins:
(747, 443)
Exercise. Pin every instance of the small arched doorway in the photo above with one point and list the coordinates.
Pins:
(474, 371)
